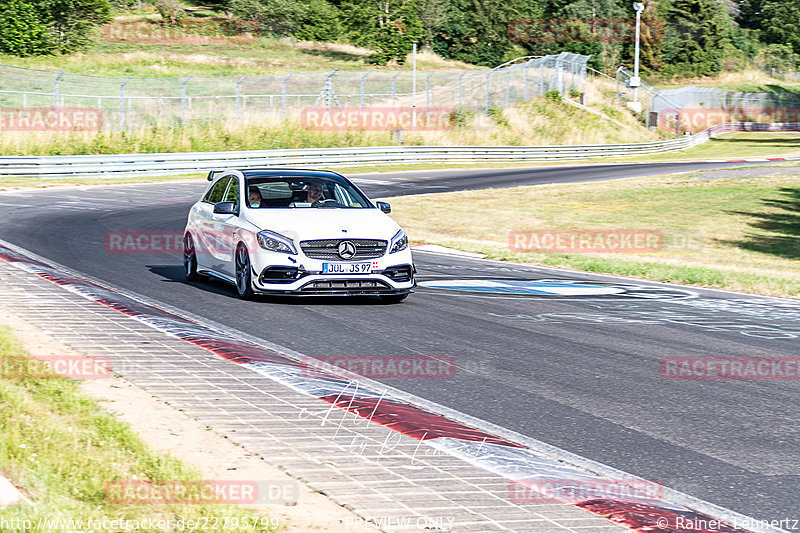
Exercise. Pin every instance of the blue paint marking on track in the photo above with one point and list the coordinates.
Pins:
(523, 287)
(556, 288)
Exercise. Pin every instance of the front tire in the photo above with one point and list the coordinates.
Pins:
(244, 280)
(190, 259)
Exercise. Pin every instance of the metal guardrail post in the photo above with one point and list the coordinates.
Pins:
(559, 76)
(541, 78)
(283, 93)
(56, 87)
(525, 82)
(183, 100)
(122, 103)
(428, 89)
(486, 100)
(508, 88)
(363, 81)
(461, 91)
(238, 96)
(394, 89)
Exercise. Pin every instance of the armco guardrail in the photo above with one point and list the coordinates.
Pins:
(125, 165)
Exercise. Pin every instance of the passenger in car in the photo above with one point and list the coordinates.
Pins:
(254, 197)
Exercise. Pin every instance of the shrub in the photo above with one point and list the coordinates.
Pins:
(497, 115)
(170, 10)
(553, 95)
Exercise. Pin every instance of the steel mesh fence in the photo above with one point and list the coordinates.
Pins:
(129, 102)
(692, 109)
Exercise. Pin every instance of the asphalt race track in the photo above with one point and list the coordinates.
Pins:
(567, 358)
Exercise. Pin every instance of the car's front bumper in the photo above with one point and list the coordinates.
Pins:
(275, 273)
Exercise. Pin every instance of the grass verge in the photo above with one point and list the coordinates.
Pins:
(739, 145)
(748, 80)
(59, 447)
(226, 57)
(729, 233)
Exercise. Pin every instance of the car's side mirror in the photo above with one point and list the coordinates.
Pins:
(226, 208)
(384, 206)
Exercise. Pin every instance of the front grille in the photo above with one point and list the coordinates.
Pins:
(328, 249)
(347, 285)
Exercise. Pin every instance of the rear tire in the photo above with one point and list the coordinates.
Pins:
(244, 279)
(190, 259)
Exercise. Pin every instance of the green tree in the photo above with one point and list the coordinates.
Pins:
(319, 22)
(779, 22)
(432, 14)
(605, 49)
(22, 32)
(697, 36)
(388, 26)
(29, 27)
(476, 31)
(71, 22)
(652, 36)
(274, 17)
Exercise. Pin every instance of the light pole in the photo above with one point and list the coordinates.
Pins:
(414, 85)
(635, 81)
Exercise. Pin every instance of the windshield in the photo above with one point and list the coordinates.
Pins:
(303, 192)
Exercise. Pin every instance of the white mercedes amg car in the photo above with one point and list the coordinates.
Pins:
(302, 232)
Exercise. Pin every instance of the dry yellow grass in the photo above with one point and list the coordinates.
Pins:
(535, 123)
(709, 225)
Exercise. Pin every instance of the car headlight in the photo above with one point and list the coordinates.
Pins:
(275, 242)
(399, 242)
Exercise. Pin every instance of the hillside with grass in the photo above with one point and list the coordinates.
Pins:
(141, 42)
(119, 52)
(541, 121)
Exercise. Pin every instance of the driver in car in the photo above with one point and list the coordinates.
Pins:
(254, 197)
(314, 192)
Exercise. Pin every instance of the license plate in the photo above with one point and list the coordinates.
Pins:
(348, 268)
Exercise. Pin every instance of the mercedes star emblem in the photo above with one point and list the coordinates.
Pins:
(347, 250)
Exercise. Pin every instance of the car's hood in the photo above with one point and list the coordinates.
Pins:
(325, 223)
